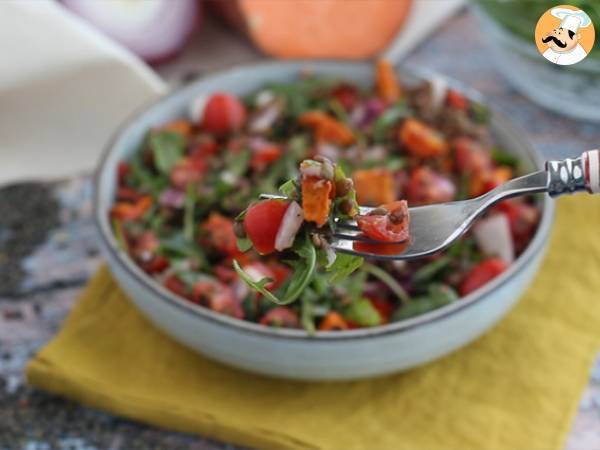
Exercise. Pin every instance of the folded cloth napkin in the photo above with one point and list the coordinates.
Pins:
(64, 88)
(515, 388)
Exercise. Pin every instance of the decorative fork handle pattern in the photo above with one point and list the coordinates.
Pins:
(572, 175)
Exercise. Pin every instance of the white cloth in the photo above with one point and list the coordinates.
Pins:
(566, 58)
(64, 88)
(425, 17)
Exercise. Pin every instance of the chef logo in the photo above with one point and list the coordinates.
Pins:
(564, 35)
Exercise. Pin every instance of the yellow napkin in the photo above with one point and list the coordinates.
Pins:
(516, 388)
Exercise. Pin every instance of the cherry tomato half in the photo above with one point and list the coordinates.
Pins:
(482, 273)
(262, 222)
(176, 285)
(390, 227)
(523, 219)
(426, 186)
(262, 157)
(457, 100)
(223, 113)
(281, 317)
(421, 140)
(217, 232)
(470, 156)
(187, 170)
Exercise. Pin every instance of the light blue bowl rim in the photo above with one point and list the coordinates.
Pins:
(125, 263)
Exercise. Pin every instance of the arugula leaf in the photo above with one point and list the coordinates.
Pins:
(304, 269)
(418, 306)
(290, 189)
(427, 272)
(438, 295)
(320, 284)
(188, 276)
(395, 163)
(237, 163)
(167, 148)
(464, 184)
(355, 285)
(250, 307)
(385, 277)
(244, 244)
(188, 212)
(120, 235)
(389, 118)
(363, 313)
(178, 246)
(349, 197)
(481, 114)
(441, 293)
(338, 110)
(259, 286)
(301, 95)
(343, 266)
(306, 310)
(145, 179)
(503, 158)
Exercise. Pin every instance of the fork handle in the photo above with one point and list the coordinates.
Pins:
(572, 175)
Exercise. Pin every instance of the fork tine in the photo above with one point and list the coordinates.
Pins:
(272, 197)
(347, 246)
(346, 225)
(355, 236)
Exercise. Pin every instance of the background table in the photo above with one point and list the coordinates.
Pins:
(48, 249)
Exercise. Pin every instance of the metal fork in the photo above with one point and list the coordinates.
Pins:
(434, 228)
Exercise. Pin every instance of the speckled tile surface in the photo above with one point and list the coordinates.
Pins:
(48, 249)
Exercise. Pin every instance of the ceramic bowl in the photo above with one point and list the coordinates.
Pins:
(293, 353)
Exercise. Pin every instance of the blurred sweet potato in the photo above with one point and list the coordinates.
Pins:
(346, 29)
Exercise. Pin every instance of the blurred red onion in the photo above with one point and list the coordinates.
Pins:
(364, 114)
(155, 30)
(172, 198)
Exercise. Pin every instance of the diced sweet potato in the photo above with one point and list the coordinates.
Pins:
(179, 126)
(327, 128)
(316, 200)
(374, 186)
(333, 321)
(386, 82)
(131, 211)
(421, 140)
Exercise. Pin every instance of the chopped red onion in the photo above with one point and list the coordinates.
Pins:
(155, 30)
(263, 98)
(196, 108)
(291, 223)
(358, 114)
(172, 198)
(438, 87)
(328, 150)
(264, 118)
(329, 252)
(493, 236)
(374, 107)
(310, 169)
